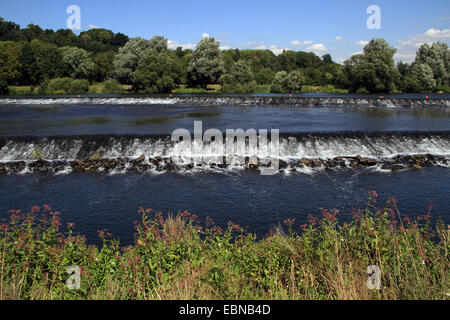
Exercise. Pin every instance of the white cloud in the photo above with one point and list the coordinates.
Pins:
(224, 47)
(261, 47)
(318, 47)
(300, 43)
(175, 44)
(362, 43)
(407, 48)
(339, 38)
(277, 50)
(205, 35)
(91, 26)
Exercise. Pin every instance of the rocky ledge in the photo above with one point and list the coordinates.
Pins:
(158, 163)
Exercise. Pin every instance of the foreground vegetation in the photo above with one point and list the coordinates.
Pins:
(62, 62)
(176, 258)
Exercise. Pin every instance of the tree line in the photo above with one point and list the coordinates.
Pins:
(63, 62)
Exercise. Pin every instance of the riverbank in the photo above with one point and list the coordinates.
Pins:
(178, 258)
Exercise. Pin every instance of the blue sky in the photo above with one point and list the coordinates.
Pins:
(337, 27)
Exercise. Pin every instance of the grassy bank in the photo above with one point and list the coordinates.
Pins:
(177, 258)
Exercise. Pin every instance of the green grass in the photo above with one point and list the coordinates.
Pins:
(174, 257)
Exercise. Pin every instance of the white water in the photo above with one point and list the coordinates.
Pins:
(231, 100)
(313, 147)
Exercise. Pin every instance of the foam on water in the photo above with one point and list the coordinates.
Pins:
(234, 100)
(295, 146)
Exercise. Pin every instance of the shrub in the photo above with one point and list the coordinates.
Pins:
(65, 86)
(79, 86)
(112, 86)
(3, 85)
(179, 258)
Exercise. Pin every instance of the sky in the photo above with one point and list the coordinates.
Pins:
(337, 27)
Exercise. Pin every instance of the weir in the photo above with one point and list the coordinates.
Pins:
(145, 152)
(236, 100)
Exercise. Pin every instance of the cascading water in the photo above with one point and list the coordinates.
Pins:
(382, 147)
(223, 100)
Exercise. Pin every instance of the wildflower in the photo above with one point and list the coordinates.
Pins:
(373, 194)
(289, 222)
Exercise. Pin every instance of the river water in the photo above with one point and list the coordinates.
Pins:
(65, 129)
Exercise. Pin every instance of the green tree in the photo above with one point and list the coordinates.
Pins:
(127, 59)
(206, 65)
(279, 82)
(3, 85)
(287, 60)
(437, 57)
(10, 61)
(27, 62)
(241, 72)
(374, 70)
(104, 65)
(77, 63)
(424, 75)
(294, 81)
(265, 76)
(48, 60)
(159, 70)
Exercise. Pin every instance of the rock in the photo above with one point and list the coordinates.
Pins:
(367, 161)
(305, 162)
(416, 167)
(96, 156)
(397, 167)
(354, 163)
(140, 159)
(316, 163)
(331, 163)
(282, 164)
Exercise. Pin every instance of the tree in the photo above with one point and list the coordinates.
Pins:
(265, 76)
(241, 72)
(77, 63)
(9, 61)
(287, 60)
(3, 85)
(48, 60)
(326, 58)
(279, 82)
(206, 65)
(127, 59)
(27, 62)
(374, 70)
(240, 78)
(103, 65)
(424, 75)
(437, 57)
(294, 82)
(158, 70)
